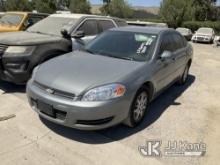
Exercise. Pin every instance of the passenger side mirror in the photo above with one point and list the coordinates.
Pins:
(78, 34)
(165, 55)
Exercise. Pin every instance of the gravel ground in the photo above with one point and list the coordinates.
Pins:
(189, 113)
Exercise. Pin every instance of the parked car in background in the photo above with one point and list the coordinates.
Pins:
(150, 24)
(112, 80)
(57, 34)
(1, 14)
(18, 21)
(187, 33)
(217, 40)
(203, 34)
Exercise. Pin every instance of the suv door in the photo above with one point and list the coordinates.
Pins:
(90, 29)
(165, 69)
(105, 25)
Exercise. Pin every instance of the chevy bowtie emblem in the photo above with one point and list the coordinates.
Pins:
(51, 91)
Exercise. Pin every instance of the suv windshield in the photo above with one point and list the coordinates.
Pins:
(123, 45)
(11, 19)
(52, 25)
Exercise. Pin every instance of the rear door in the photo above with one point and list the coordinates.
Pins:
(179, 54)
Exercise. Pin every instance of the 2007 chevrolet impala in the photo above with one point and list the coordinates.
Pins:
(112, 80)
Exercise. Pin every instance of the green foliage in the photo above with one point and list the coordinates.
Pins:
(17, 5)
(173, 12)
(117, 8)
(45, 6)
(194, 25)
(80, 6)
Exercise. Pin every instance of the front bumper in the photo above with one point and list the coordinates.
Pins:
(78, 114)
(201, 39)
(14, 69)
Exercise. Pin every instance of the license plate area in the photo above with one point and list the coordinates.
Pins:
(45, 108)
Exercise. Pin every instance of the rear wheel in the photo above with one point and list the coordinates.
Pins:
(138, 108)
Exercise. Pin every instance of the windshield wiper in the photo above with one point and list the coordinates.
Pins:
(124, 58)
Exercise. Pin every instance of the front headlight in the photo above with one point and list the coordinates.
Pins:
(19, 49)
(103, 93)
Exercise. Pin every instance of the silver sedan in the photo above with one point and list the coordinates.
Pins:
(112, 80)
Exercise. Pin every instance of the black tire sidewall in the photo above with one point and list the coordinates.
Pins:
(131, 115)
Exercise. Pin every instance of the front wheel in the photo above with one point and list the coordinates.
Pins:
(138, 108)
(184, 76)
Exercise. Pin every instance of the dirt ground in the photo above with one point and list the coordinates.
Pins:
(190, 113)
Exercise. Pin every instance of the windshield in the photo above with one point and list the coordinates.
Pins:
(182, 30)
(205, 30)
(52, 25)
(11, 19)
(123, 45)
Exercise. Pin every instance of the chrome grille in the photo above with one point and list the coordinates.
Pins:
(2, 49)
(55, 91)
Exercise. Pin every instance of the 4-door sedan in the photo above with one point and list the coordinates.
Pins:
(205, 35)
(113, 80)
(187, 33)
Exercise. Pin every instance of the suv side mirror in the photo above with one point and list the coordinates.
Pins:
(65, 33)
(78, 34)
(166, 55)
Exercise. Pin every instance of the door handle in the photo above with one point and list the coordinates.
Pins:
(174, 58)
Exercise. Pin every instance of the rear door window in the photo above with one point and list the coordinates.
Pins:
(89, 27)
(105, 25)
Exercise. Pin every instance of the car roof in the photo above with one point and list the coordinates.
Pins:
(22, 12)
(78, 16)
(151, 30)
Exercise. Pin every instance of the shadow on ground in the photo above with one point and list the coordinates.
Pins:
(7, 87)
(156, 109)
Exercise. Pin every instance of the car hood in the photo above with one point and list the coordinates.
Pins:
(7, 28)
(203, 34)
(79, 71)
(26, 38)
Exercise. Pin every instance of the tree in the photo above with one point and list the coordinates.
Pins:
(17, 5)
(63, 4)
(45, 6)
(2, 5)
(80, 6)
(203, 9)
(173, 11)
(117, 8)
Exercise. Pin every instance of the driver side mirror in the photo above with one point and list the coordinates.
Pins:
(78, 34)
(65, 33)
(165, 55)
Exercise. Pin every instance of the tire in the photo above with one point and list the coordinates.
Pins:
(138, 108)
(184, 76)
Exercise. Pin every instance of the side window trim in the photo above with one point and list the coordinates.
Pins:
(85, 22)
(82, 22)
(99, 25)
